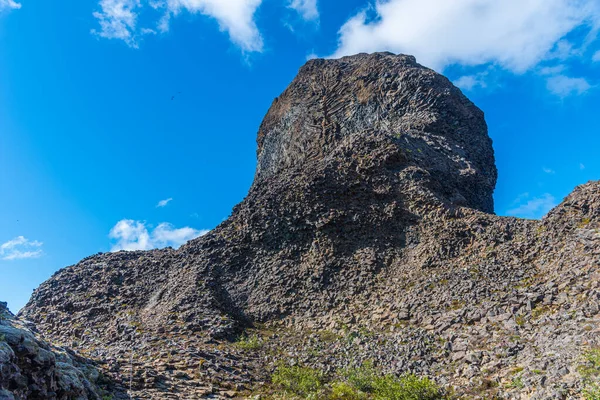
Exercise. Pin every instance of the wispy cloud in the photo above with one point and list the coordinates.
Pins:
(532, 208)
(470, 82)
(118, 20)
(596, 56)
(581, 166)
(6, 5)
(163, 203)
(137, 235)
(306, 8)
(548, 170)
(20, 248)
(563, 86)
(514, 34)
(554, 70)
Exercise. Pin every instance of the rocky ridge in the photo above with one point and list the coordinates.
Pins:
(366, 235)
(30, 368)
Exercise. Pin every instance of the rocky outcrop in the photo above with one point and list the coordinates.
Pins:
(369, 218)
(32, 369)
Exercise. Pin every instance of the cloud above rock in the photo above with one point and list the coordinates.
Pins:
(514, 34)
(137, 235)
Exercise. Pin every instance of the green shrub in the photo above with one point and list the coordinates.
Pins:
(301, 381)
(362, 378)
(2, 338)
(516, 383)
(360, 383)
(407, 387)
(593, 357)
(345, 391)
(590, 373)
(365, 379)
(252, 342)
(592, 392)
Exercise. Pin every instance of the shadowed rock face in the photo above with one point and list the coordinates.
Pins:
(334, 105)
(370, 210)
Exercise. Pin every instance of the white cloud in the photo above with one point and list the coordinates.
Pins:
(135, 235)
(515, 34)
(118, 20)
(581, 166)
(163, 203)
(470, 82)
(548, 170)
(564, 50)
(20, 248)
(555, 70)
(596, 56)
(9, 5)
(563, 86)
(532, 208)
(306, 8)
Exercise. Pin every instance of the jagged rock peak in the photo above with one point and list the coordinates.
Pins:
(334, 107)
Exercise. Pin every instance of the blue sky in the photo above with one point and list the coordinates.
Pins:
(131, 124)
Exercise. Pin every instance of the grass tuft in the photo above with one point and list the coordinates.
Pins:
(252, 342)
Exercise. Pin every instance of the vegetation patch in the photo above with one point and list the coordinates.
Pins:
(590, 371)
(252, 342)
(304, 382)
(360, 383)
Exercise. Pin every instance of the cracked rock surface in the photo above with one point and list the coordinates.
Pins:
(30, 368)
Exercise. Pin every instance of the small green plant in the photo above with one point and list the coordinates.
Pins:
(345, 391)
(252, 342)
(540, 310)
(2, 338)
(516, 383)
(592, 392)
(591, 369)
(583, 223)
(520, 320)
(590, 373)
(362, 378)
(328, 336)
(107, 397)
(516, 370)
(300, 381)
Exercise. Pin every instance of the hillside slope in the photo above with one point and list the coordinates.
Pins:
(369, 219)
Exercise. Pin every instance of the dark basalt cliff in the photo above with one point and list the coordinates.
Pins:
(336, 109)
(370, 212)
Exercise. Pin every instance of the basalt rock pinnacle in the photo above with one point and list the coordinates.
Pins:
(339, 108)
(370, 219)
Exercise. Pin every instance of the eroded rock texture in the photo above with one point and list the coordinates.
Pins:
(32, 369)
(370, 212)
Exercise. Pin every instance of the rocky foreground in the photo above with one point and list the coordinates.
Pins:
(366, 239)
(33, 369)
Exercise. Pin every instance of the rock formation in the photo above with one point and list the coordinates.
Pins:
(369, 218)
(33, 369)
